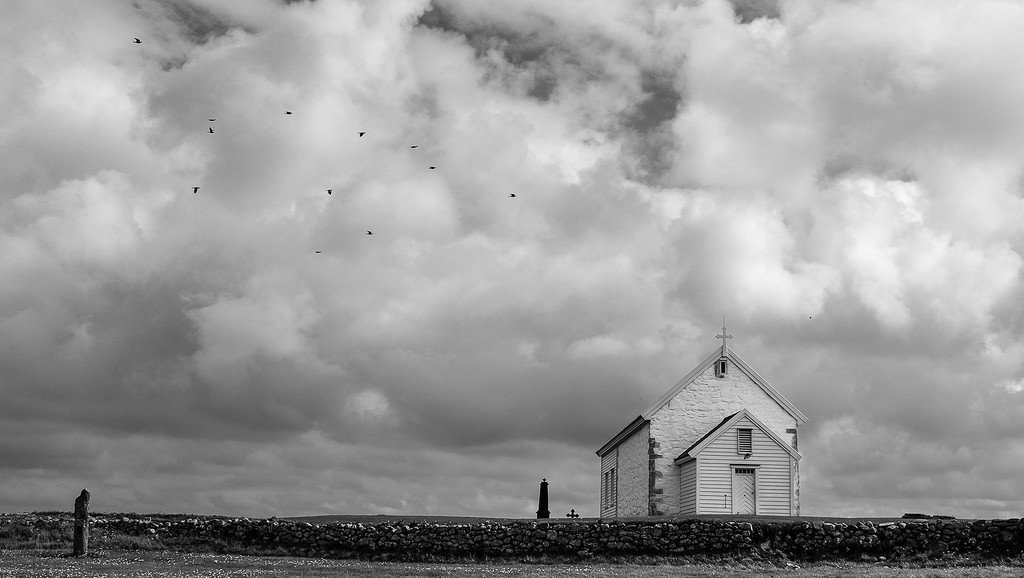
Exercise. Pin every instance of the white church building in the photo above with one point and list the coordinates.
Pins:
(721, 441)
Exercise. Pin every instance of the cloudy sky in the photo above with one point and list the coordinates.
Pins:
(842, 180)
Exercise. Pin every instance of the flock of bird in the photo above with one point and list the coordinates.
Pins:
(210, 130)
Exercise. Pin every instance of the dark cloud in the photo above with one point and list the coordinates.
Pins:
(196, 24)
(533, 51)
(848, 197)
(747, 11)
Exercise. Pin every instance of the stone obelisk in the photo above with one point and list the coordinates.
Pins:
(542, 507)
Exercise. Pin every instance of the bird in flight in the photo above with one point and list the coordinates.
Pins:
(211, 130)
(432, 168)
(369, 232)
(414, 146)
(362, 132)
(137, 41)
(287, 112)
(195, 190)
(329, 191)
(512, 195)
(211, 119)
(318, 252)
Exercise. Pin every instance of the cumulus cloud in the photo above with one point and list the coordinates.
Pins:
(841, 180)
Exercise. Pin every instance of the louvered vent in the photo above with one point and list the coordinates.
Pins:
(744, 443)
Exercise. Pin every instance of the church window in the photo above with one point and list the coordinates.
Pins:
(720, 367)
(615, 487)
(609, 494)
(607, 488)
(744, 442)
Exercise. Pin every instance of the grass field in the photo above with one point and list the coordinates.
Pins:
(19, 563)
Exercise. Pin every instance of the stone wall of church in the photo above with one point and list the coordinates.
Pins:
(694, 411)
(634, 474)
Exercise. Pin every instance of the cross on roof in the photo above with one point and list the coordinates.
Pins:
(725, 335)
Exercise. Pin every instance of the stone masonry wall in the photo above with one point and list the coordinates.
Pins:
(634, 474)
(662, 536)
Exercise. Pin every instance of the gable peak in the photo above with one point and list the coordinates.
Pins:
(724, 337)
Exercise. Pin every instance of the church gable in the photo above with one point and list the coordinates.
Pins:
(723, 364)
(691, 413)
(698, 402)
(760, 440)
(740, 443)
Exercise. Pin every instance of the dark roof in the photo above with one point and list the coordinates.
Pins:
(707, 435)
(625, 433)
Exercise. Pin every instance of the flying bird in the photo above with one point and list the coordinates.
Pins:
(211, 130)
(432, 168)
(369, 232)
(512, 195)
(414, 146)
(329, 191)
(287, 112)
(137, 41)
(318, 252)
(362, 132)
(195, 190)
(211, 119)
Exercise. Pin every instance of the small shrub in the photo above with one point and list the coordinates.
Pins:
(119, 541)
(20, 534)
(15, 531)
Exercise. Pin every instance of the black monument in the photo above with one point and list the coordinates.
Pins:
(542, 507)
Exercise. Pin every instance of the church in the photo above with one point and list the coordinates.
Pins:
(721, 441)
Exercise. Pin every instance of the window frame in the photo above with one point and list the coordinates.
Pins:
(721, 367)
(749, 446)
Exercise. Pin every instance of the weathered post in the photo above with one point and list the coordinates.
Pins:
(81, 546)
(542, 507)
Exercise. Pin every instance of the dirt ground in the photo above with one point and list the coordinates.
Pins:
(18, 563)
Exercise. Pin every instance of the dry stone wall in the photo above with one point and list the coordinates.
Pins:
(727, 537)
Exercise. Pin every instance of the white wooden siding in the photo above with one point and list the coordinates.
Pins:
(688, 488)
(774, 489)
(609, 466)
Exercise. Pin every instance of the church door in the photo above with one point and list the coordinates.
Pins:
(744, 499)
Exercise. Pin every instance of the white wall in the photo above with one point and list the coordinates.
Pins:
(609, 465)
(772, 478)
(688, 488)
(694, 411)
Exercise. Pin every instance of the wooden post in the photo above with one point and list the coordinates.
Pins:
(81, 546)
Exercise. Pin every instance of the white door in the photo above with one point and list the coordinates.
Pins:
(744, 498)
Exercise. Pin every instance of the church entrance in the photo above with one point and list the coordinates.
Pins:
(744, 498)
